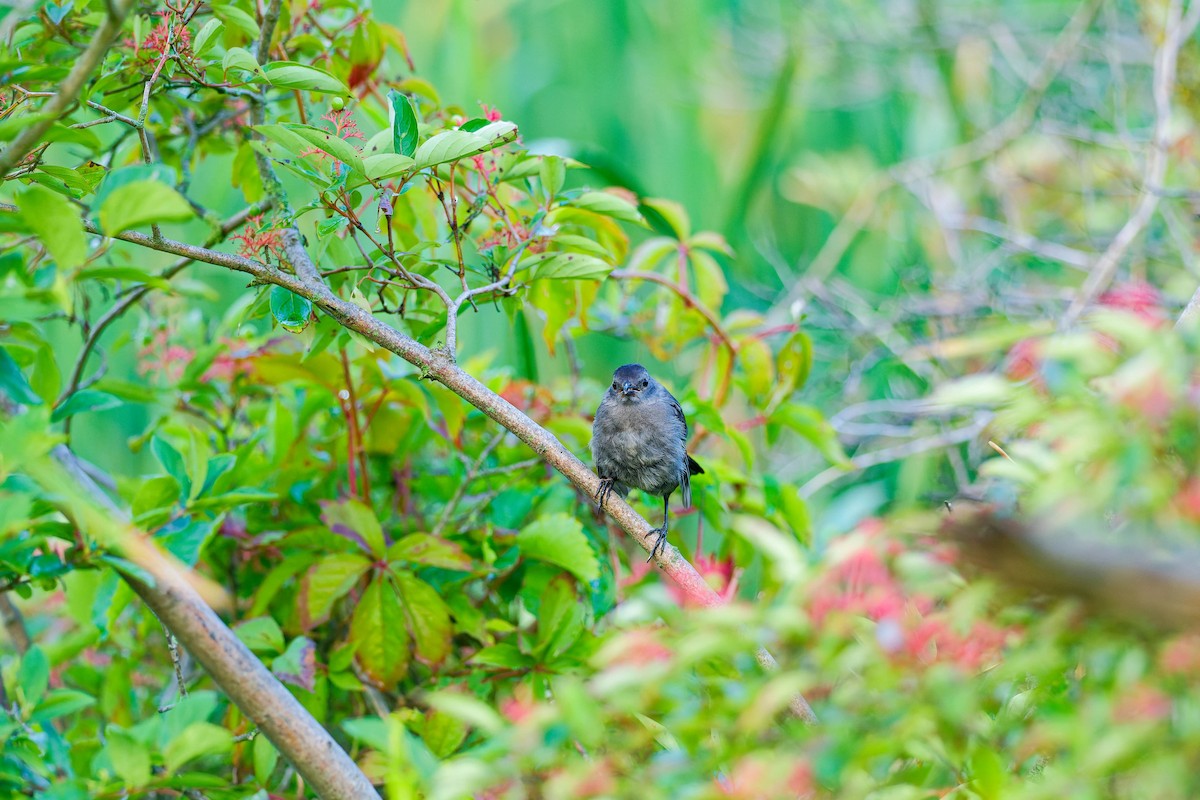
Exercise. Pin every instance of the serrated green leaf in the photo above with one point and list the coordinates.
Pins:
(378, 630)
(328, 580)
(354, 520)
(559, 539)
(428, 616)
(430, 551)
(560, 618)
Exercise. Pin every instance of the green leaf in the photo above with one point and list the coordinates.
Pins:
(502, 656)
(34, 675)
(329, 579)
(566, 266)
(673, 214)
(560, 618)
(443, 733)
(130, 758)
(172, 462)
(430, 551)
(429, 617)
(13, 382)
(378, 629)
(122, 274)
(261, 634)
(382, 166)
(290, 75)
(235, 17)
(56, 223)
(809, 423)
(329, 143)
(758, 365)
(353, 520)
(85, 400)
(291, 310)
(199, 739)
(298, 664)
(794, 362)
(404, 124)
(207, 37)
(62, 702)
(559, 539)
(553, 173)
(142, 203)
(608, 205)
(454, 145)
(239, 58)
(265, 759)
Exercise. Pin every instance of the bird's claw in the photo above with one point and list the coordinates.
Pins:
(606, 488)
(660, 542)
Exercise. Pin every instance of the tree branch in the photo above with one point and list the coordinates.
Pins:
(69, 90)
(259, 694)
(439, 365)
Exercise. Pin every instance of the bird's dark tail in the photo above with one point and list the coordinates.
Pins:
(693, 467)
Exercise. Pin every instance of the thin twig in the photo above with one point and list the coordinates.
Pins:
(1178, 29)
(68, 90)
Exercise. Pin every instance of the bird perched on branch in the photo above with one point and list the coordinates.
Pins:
(638, 442)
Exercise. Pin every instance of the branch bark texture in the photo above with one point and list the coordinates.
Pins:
(317, 757)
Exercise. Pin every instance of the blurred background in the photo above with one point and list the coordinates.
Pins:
(894, 173)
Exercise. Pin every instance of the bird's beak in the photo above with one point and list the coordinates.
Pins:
(627, 389)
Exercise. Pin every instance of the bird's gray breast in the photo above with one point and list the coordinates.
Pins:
(640, 444)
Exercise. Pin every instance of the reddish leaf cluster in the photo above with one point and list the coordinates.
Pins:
(910, 625)
(257, 239)
(162, 359)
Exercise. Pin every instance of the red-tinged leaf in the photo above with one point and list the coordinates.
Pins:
(298, 664)
(328, 580)
(380, 634)
(430, 551)
(354, 520)
(428, 616)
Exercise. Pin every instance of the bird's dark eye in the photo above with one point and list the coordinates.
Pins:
(615, 385)
(645, 383)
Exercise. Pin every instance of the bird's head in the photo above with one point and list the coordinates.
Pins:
(631, 383)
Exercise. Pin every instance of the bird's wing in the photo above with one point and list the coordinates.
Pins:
(678, 409)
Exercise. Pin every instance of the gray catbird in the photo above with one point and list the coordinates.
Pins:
(638, 442)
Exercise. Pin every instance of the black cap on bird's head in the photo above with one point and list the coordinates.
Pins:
(630, 381)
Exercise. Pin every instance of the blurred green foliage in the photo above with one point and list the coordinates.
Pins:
(880, 213)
